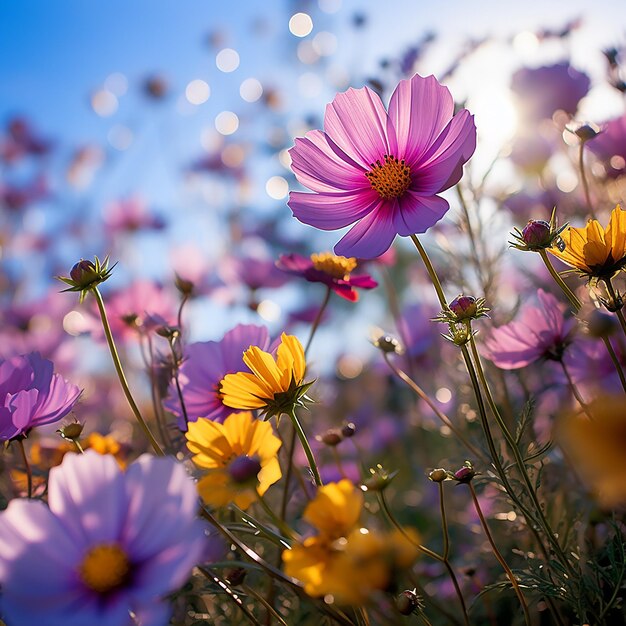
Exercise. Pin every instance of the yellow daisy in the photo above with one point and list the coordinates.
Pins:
(240, 456)
(275, 385)
(594, 251)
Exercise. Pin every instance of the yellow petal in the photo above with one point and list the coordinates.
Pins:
(290, 356)
(335, 509)
(616, 233)
(264, 367)
(244, 391)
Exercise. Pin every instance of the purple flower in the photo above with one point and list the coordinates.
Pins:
(108, 542)
(204, 366)
(544, 90)
(32, 395)
(382, 170)
(610, 146)
(330, 270)
(130, 215)
(539, 332)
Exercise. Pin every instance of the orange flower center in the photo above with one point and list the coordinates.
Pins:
(335, 266)
(391, 178)
(104, 568)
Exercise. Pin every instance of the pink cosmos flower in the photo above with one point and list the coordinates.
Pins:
(328, 269)
(382, 170)
(539, 332)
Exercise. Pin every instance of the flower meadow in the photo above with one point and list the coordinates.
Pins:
(397, 397)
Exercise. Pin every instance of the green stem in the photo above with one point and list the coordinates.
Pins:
(29, 472)
(431, 272)
(318, 319)
(571, 296)
(518, 459)
(78, 446)
(280, 524)
(583, 177)
(306, 447)
(120, 373)
(574, 389)
(616, 363)
(499, 556)
(618, 311)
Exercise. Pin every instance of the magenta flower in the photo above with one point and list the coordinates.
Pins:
(32, 395)
(382, 170)
(204, 366)
(131, 215)
(333, 271)
(539, 332)
(109, 542)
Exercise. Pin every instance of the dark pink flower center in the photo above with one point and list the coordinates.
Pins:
(391, 178)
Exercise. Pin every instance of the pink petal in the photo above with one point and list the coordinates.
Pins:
(331, 211)
(416, 214)
(321, 168)
(419, 110)
(372, 235)
(442, 165)
(357, 122)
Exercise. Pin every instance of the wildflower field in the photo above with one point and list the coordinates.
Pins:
(312, 313)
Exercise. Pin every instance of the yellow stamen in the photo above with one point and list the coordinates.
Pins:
(391, 178)
(335, 266)
(104, 568)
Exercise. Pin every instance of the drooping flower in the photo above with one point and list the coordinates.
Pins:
(594, 440)
(108, 543)
(382, 169)
(596, 253)
(344, 560)
(539, 332)
(32, 395)
(333, 271)
(241, 456)
(204, 365)
(276, 384)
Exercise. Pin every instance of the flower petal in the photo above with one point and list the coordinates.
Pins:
(416, 214)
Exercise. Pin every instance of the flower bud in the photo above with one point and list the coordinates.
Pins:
(348, 430)
(438, 475)
(464, 307)
(331, 437)
(244, 468)
(407, 602)
(185, 287)
(583, 130)
(71, 431)
(537, 234)
(465, 474)
(379, 479)
(388, 344)
(83, 272)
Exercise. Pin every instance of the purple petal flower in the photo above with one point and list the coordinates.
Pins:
(382, 170)
(610, 146)
(109, 543)
(205, 364)
(32, 395)
(539, 332)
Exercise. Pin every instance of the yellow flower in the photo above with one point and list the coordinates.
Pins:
(344, 560)
(596, 446)
(275, 385)
(240, 456)
(594, 251)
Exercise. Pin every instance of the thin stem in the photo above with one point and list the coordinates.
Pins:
(573, 388)
(518, 460)
(446, 552)
(499, 556)
(288, 472)
(280, 524)
(78, 446)
(318, 319)
(120, 373)
(442, 416)
(431, 272)
(306, 447)
(583, 177)
(616, 363)
(571, 296)
(29, 471)
(270, 609)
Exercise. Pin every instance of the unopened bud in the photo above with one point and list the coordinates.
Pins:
(438, 475)
(464, 307)
(407, 602)
(348, 430)
(537, 234)
(83, 272)
(465, 474)
(71, 431)
(183, 285)
(583, 130)
(331, 437)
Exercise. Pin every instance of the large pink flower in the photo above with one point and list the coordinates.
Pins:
(382, 170)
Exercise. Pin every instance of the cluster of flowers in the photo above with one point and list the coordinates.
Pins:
(95, 540)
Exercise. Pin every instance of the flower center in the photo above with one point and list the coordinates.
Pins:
(335, 266)
(391, 178)
(244, 468)
(104, 567)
